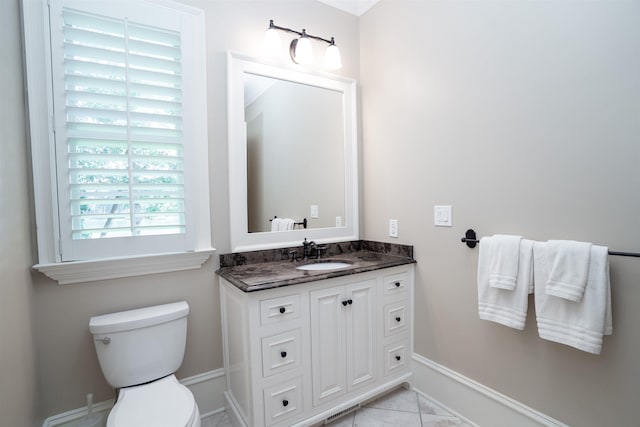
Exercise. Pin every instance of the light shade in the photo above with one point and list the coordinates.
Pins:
(272, 42)
(301, 51)
(332, 60)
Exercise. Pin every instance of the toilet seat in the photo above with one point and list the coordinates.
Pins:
(162, 403)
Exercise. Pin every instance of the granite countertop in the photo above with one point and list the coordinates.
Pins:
(260, 270)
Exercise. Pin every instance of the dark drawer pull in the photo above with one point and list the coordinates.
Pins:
(398, 319)
(397, 284)
(282, 310)
(350, 301)
(285, 402)
(283, 354)
(398, 358)
(344, 303)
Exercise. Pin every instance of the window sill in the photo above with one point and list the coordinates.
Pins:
(66, 273)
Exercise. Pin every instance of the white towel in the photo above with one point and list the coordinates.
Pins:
(275, 224)
(576, 324)
(568, 262)
(503, 262)
(286, 224)
(507, 307)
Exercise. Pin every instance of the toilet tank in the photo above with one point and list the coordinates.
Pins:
(142, 345)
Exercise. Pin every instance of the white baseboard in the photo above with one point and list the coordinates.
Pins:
(207, 388)
(472, 401)
(70, 418)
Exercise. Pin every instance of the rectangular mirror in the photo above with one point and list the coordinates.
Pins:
(295, 153)
(292, 155)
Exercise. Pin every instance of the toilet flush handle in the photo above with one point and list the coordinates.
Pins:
(105, 340)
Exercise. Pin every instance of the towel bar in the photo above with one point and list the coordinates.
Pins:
(472, 240)
(303, 223)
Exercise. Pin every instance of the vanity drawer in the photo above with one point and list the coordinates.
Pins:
(281, 353)
(282, 401)
(395, 357)
(396, 318)
(396, 284)
(278, 310)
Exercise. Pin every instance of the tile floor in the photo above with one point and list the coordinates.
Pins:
(218, 420)
(402, 408)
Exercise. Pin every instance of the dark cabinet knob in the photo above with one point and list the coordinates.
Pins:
(344, 303)
(350, 301)
(398, 358)
(283, 354)
(285, 402)
(282, 310)
(398, 319)
(397, 284)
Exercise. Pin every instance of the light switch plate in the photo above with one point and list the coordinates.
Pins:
(314, 211)
(442, 216)
(393, 228)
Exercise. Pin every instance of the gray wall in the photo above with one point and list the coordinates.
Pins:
(525, 117)
(65, 353)
(18, 387)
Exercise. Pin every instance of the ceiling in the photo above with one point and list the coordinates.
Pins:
(355, 7)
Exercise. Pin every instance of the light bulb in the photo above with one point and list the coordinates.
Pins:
(303, 52)
(272, 42)
(332, 60)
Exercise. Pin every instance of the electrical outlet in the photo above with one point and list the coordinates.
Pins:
(314, 211)
(393, 228)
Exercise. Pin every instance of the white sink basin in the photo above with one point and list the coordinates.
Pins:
(324, 265)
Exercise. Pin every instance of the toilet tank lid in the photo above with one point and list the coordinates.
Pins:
(138, 318)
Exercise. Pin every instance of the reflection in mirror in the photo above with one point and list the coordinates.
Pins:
(295, 154)
(292, 154)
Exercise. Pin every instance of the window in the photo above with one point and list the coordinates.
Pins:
(125, 147)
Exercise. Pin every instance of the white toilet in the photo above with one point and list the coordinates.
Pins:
(139, 350)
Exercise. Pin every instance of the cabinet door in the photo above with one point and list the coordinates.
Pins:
(360, 333)
(327, 343)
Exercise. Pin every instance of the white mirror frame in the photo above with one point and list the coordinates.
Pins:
(241, 239)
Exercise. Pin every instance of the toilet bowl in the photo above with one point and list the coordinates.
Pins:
(139, 351)
(161, 403)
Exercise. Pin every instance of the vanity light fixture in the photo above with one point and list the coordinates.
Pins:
(300, 48)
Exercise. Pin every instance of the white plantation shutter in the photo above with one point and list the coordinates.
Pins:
(124, 128)
(120, 133)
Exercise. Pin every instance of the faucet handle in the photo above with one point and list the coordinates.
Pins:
(293, 253)
(320, 248)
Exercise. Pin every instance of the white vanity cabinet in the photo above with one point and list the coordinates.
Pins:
(298, 354)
